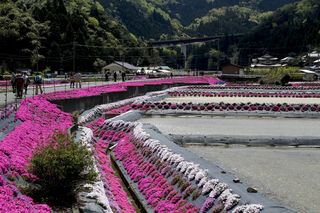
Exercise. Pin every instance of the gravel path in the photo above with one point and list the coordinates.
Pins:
(285, 174)
(243, 100)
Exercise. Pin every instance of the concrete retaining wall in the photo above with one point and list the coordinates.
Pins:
(207, 140)
(85, 103)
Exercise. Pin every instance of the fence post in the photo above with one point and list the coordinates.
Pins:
(6, 100)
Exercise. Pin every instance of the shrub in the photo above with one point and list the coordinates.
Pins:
(75, 117)
(60, 167)
(281, 75)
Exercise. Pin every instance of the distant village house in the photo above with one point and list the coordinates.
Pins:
(232, 69)
(120, 66)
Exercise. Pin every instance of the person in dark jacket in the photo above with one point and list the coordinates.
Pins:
(123, 76)
(115, 76)
(19, 85)
(13, 82)
(106, 76)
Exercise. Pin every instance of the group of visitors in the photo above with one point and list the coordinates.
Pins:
(115, 76)
(20, 81)
(75, 80)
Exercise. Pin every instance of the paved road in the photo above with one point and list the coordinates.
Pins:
(11, 98)
(236, 126)
(289, 175)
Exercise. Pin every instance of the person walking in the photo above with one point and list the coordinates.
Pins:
(38, 82)
(123, 76)
(71, 78)
(19, 85)
(26, 82)
(13, 82)
(115, 76)
(106, 76)
(77, 79)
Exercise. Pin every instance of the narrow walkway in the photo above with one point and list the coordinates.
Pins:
(11, 98)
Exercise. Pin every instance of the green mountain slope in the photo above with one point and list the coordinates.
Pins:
(143, 18)
(176, 18)
(293, 28)
(188, 10)
(49, 31)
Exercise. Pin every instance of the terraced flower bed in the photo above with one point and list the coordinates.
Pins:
(220, 107)
(39, 121)
(115, 192)
(167, 182)
(256, 87)
(244, 94)
(164, 179)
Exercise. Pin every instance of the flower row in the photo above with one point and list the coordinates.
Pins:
(118, 107)
(227, 107)
(244, 94)
(255, 87)
(150, 165)
(114, 190)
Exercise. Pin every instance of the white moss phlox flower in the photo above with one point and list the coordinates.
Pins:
(209, 185)
(229, 199)
(180, 165)
(248, 208)
(193, 172)
(201, 174)
(218, 189)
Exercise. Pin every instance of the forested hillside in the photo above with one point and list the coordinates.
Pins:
(294, 28)
(48, 31)
(183, 18)
(54, 33)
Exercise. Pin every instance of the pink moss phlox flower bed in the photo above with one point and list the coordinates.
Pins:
(39, 121)
(120, 110)
(6, 112)
(115, 192)
(86, 92)
(306, 84)
(119, 87)
(159, 194)
(235, 107)
(164, 179)
(244, 94)
(152, 184)
(11, 200)
(257, 87)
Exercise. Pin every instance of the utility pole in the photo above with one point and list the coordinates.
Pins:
(218, 62)
(37, 61)
(74, 57)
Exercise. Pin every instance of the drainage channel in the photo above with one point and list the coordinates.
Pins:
(130, 187)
